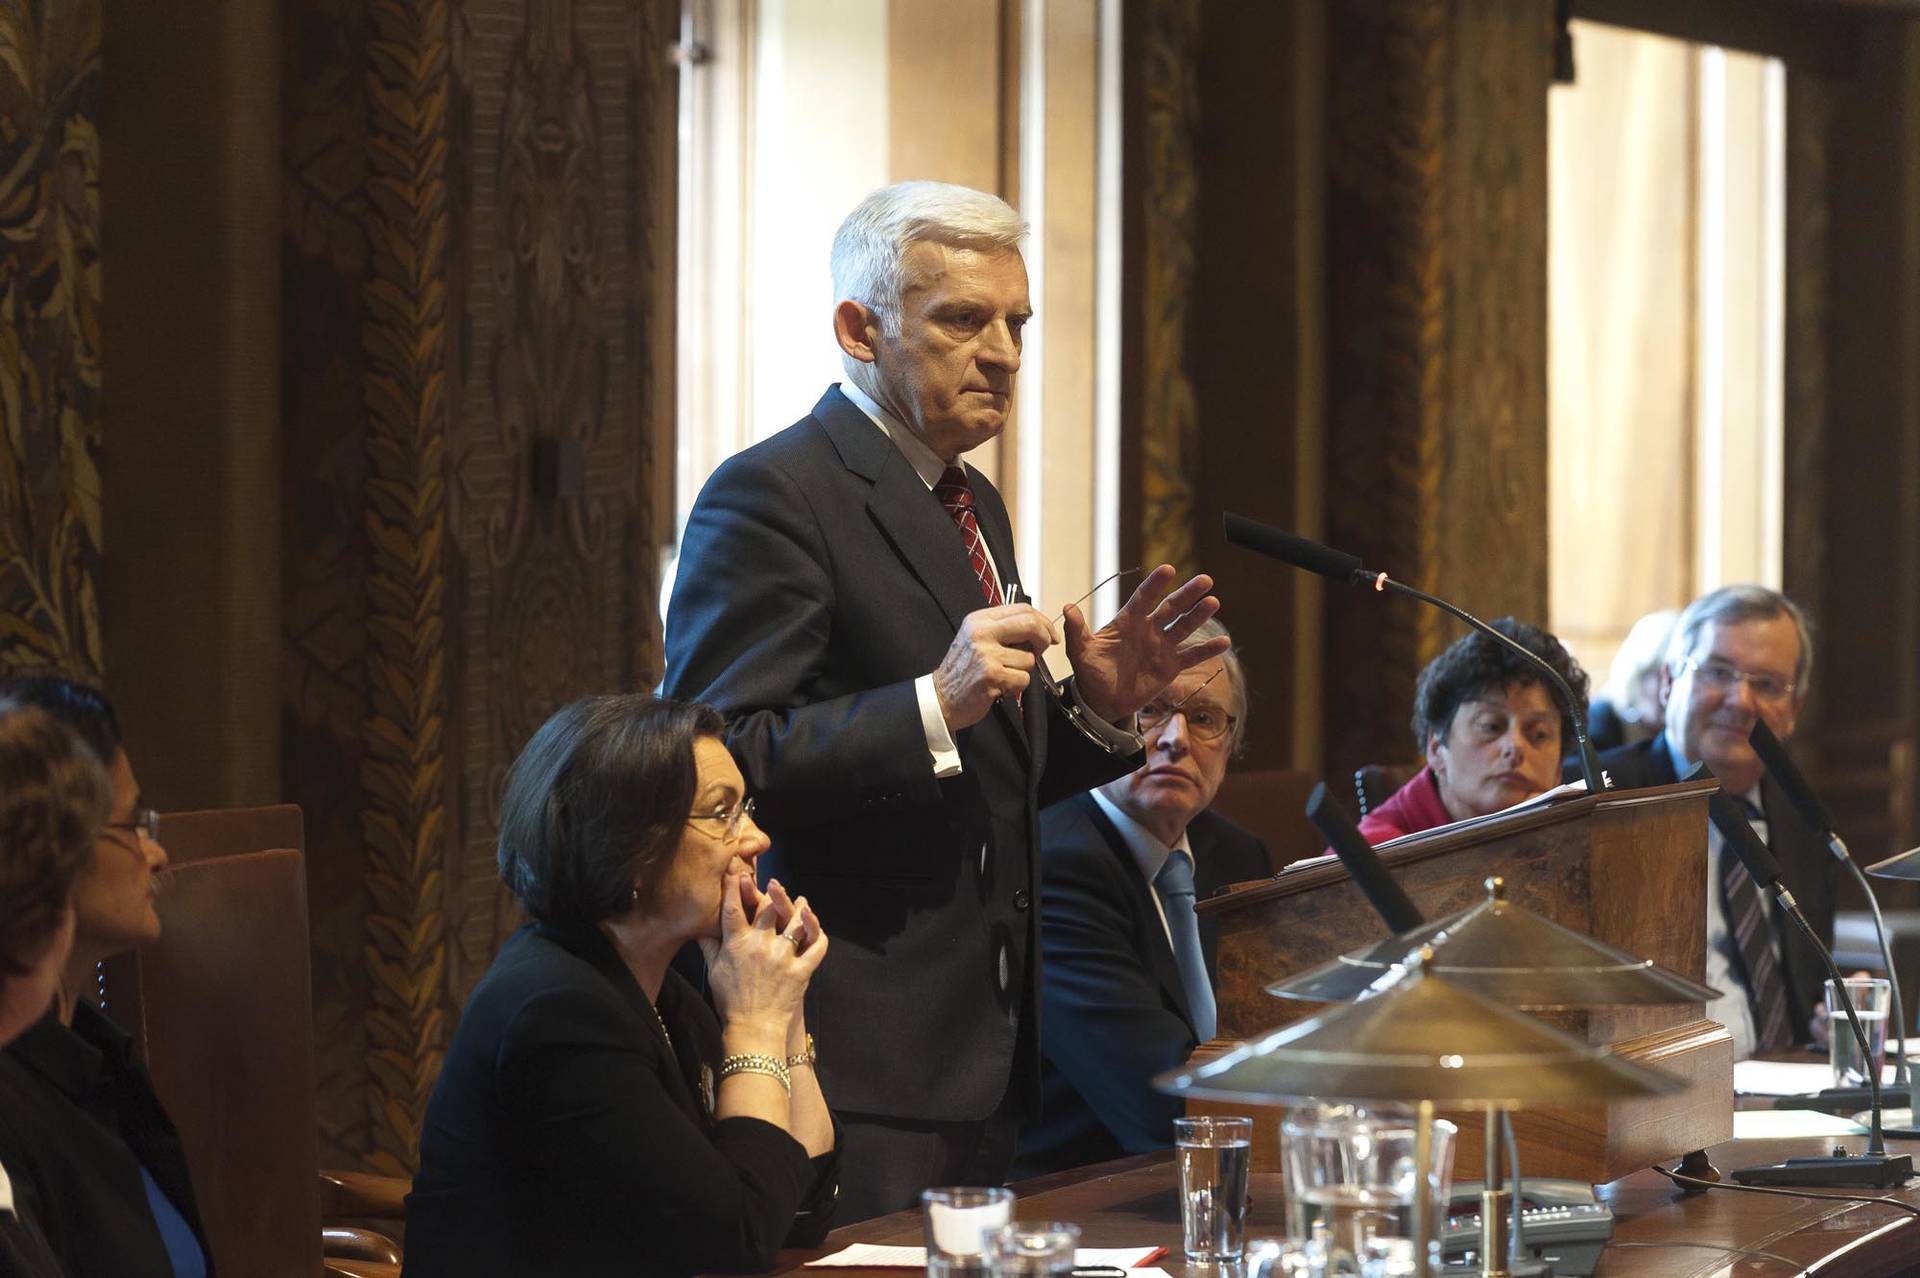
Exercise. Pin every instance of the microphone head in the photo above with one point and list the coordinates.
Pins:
(1263, 539)
(1741, 840)
(1790, 779)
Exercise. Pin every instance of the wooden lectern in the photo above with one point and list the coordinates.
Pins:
(1628, 867)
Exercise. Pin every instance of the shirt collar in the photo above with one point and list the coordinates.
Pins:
(925, 462)
(1682, 765)
(1148, 852)
(6, 1193)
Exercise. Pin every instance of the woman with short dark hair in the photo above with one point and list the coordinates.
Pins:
(1491, 729)
(596, 1113)
(80, 1123)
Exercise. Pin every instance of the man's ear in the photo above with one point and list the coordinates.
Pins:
(856, 327)
(1433, 751)
(1666, 688)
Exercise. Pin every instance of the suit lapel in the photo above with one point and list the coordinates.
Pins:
(917, 526)
(1166, 969)
(909, 516)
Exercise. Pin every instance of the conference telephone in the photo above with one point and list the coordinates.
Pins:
(1565, 1225)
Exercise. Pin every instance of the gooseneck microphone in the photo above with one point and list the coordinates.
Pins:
(1875, 1169)
(1369, 873)
(1793, 783)
(1338, 565)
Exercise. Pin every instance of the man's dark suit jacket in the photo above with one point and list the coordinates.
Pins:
(818, 578)
(78, 1120)
(1115, 1013)
(1806, 866)
(563, 1137)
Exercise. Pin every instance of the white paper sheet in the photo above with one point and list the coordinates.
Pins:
(1782, 1124)
(1787, 1078)
(877, 1256)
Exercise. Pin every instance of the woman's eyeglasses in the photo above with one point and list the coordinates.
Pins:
(145, 822)
(732, 816)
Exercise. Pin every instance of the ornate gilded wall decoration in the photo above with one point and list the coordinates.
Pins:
(1169, 421)
(50, 534)
(405, 326)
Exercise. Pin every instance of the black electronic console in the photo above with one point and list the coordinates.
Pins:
(1566, 1228)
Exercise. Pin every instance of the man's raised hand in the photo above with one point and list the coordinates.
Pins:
(1130, 660)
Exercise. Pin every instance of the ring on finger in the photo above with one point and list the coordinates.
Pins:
(798, 943)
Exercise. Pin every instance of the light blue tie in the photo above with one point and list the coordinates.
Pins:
(1175, 885)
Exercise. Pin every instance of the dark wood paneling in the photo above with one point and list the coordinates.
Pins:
(1436, 276)
(190, 592)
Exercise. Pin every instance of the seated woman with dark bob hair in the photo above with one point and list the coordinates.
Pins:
(1491, 730)
(596, 1114)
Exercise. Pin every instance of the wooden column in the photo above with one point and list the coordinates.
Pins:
(1436, 279)
(1853, 423)
(50, 415)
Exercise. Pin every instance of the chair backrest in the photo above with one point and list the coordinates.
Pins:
(1272, 803)
(196, 836)
(221, 1007)
(1375, 783)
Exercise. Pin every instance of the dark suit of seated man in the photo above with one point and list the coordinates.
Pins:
(1127, 977)
(1738, 654)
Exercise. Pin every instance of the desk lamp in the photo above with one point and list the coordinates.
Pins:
(1424, 1040)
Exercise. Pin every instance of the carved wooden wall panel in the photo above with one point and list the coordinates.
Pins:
(1167, 423)
(1436, 429)
(50, 536)
(478, 259)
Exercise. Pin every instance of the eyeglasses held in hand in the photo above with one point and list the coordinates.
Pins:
(733, 815)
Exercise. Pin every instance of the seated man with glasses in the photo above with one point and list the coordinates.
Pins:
(1736, 655)
(1127, 978)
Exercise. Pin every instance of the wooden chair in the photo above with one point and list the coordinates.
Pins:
(1272, 803)
(221, 1010)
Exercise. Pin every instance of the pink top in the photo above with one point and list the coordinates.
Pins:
(1412, 808)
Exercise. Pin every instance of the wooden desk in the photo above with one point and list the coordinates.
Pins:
(1133, 1202)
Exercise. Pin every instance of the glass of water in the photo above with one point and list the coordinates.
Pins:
(1033, 1249)
(1872, 1000)
(961, 1220)
(1214, 1155)
(1351, 1176)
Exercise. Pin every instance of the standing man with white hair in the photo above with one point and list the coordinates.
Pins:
(847, 595)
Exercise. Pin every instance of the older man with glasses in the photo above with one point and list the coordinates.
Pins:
(1127, 978)
(1740, 654)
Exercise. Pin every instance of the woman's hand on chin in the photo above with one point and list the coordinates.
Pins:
(759, 968)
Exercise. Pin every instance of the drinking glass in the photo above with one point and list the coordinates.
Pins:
(1033, 1249)
(1872, 1001)
(1351, 1177)
(960, 1220)
(1285, 1258)
(1214, 1155)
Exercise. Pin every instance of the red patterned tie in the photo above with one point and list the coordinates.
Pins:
(956, 494)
